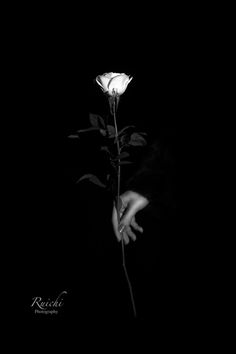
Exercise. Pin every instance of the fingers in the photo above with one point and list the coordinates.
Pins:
(131, 204)
(127, 232)
(135, 225)
(125, 237)
(130, 233)
(122, 230)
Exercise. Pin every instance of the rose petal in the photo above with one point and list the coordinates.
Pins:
(98, 81)
(111, 75)
(103, 82)
(118, 84)
(107, 75)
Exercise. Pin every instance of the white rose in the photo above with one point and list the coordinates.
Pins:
(113, 83)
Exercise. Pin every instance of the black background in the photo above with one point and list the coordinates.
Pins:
(65, 237)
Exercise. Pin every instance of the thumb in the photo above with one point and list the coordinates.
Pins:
(115, 223)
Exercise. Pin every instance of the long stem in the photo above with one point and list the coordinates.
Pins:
(118, 210)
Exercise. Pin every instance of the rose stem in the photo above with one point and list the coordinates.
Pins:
(118, 210)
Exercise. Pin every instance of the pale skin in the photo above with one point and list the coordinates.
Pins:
(132, 202)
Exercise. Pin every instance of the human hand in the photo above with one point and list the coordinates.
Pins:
(132, 202)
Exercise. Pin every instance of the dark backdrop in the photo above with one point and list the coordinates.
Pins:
(66, 240)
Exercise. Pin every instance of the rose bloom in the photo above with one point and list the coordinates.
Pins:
(113, 83)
